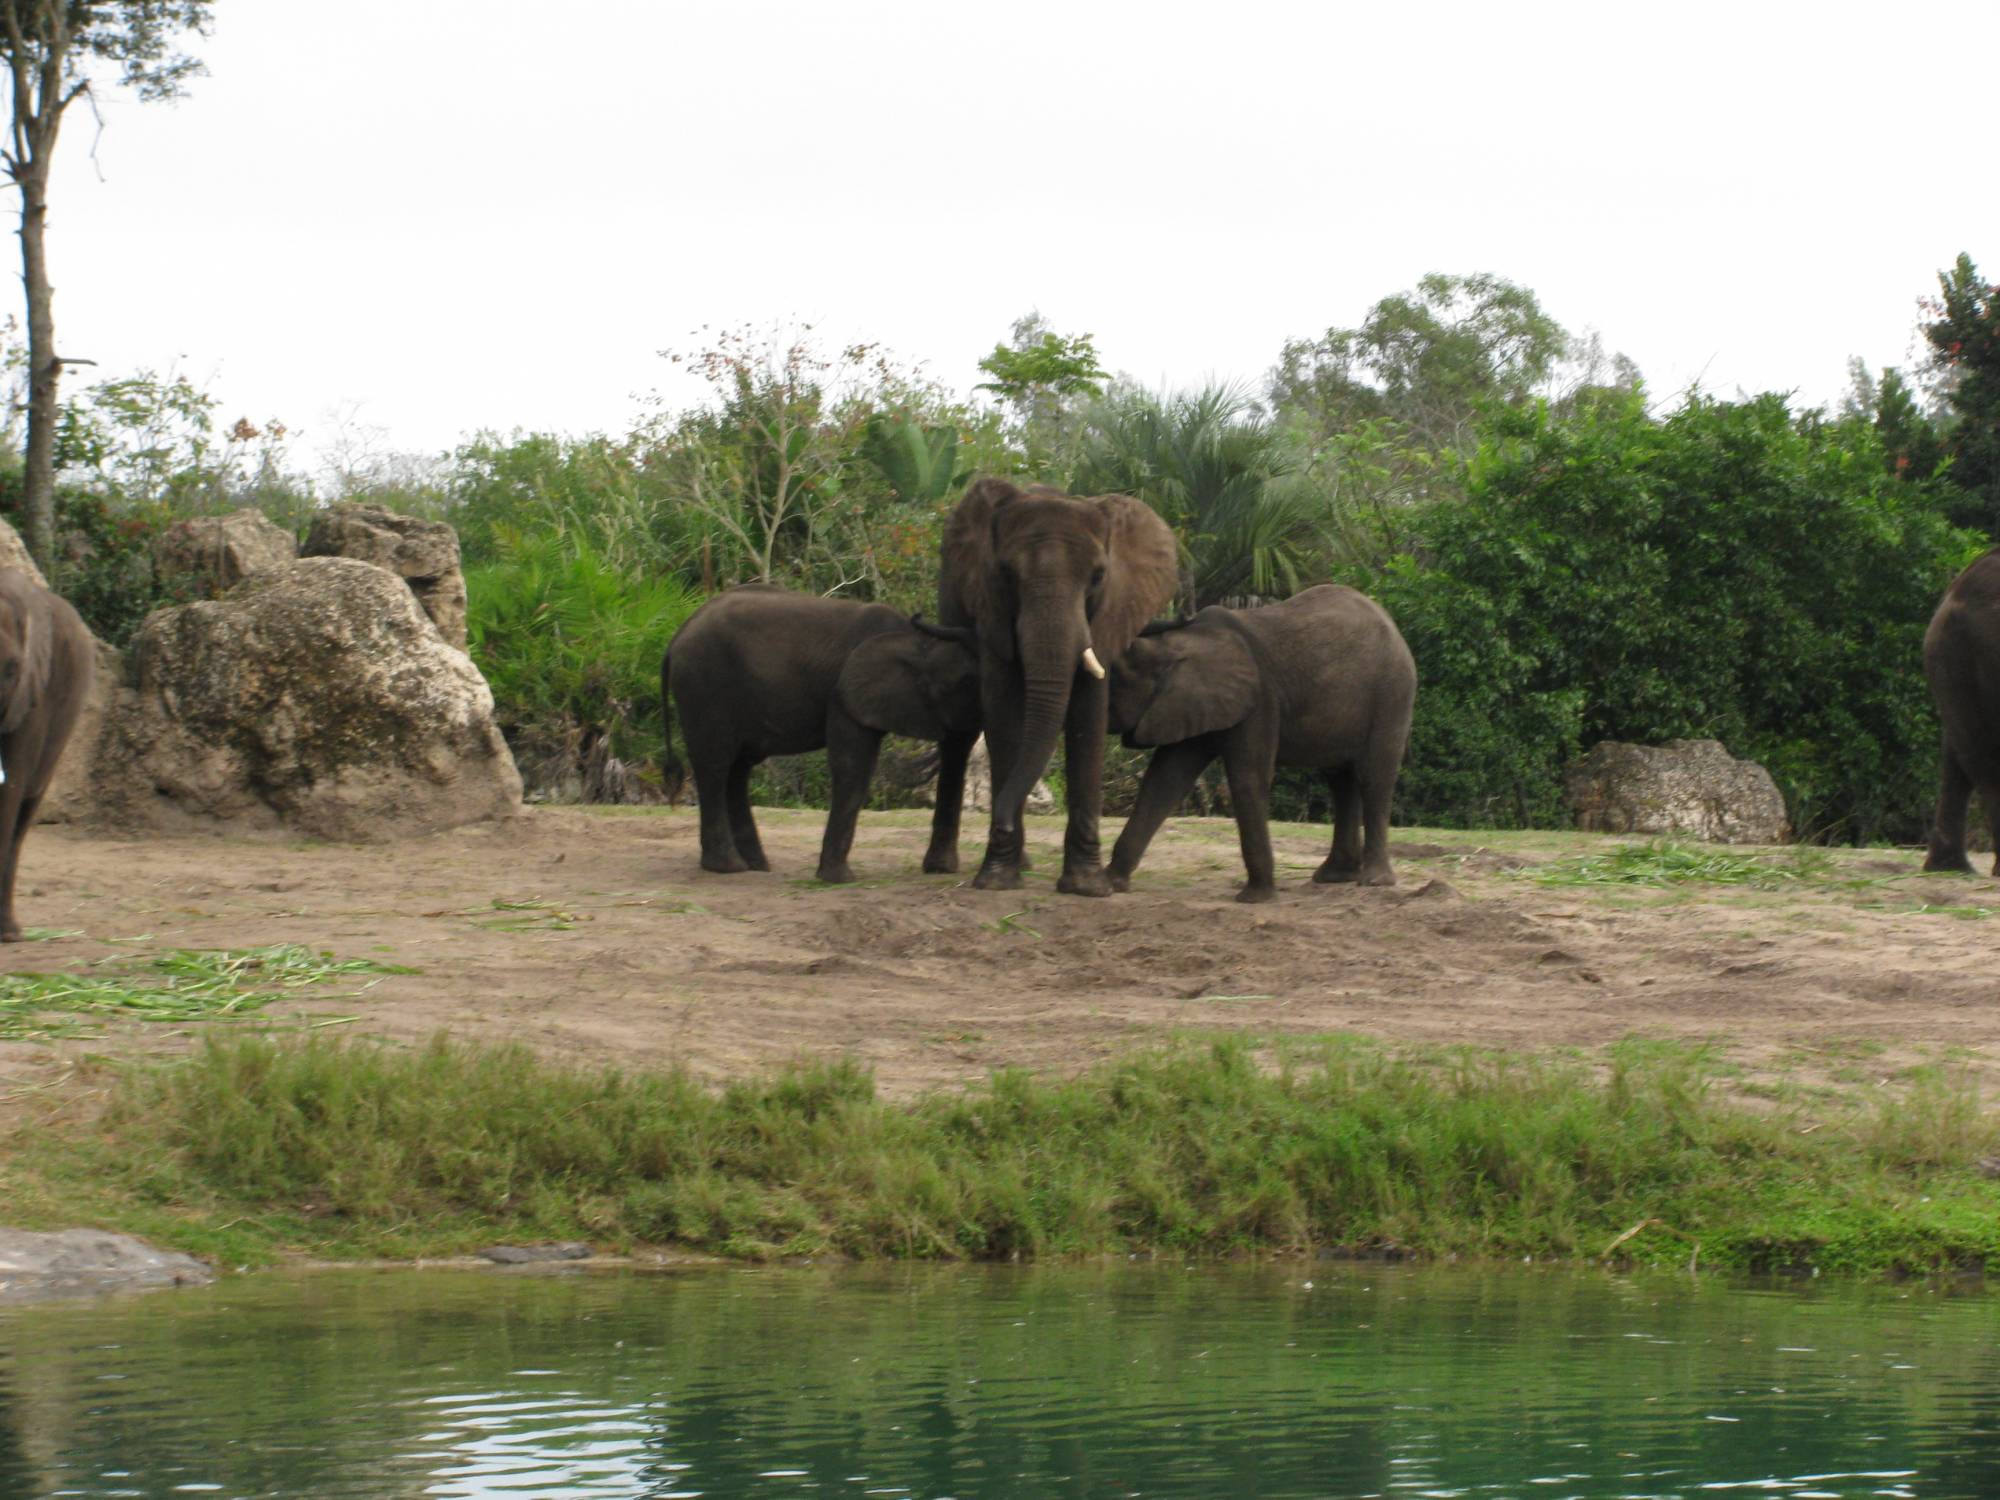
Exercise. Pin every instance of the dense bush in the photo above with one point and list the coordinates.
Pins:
(1732, 571)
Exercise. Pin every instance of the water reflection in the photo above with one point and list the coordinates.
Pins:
(996, 1383)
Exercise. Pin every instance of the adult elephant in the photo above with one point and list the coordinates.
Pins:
(1962, 661)
(46, 665)
(1054, 587)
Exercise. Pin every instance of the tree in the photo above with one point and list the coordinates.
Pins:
(54, 50)
(1964, 335)
(1046, 377)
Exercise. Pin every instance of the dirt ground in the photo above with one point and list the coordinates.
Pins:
(593, 935)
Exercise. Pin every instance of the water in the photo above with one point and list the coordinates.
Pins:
(1155, 1381)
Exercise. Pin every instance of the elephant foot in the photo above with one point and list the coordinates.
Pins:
(1948, 862)
(945, 863)
(997, 878)
(724, 864)
(1336, 874)
(757, 862)
(838, 874)
(1257, 895)
(1379, 875)
(1085, 881)
(1120, 881)
(11, 933)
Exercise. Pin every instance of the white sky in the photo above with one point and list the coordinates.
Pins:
(448, 215)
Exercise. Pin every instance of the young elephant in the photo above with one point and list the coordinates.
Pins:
(1321, 682)
(758, 671)
(46, 664)
(1962, 661)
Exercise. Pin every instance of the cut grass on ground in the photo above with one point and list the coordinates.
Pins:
(181, 985)
(256, 1146)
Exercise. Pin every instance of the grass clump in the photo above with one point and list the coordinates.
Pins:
(355, 1148)
(181, 985)
(1665, 862)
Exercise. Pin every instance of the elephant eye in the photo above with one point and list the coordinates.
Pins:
(1097, 576)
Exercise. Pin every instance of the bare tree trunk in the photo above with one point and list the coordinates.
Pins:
(38, 481)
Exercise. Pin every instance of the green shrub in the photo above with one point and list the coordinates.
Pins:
(571, 647)
(1732, 572)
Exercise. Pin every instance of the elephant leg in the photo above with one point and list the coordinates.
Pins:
(742, 826)
(1377, 775)
(942, 856)
(1947, 846)
(1343, 862)
(1083, 872)
(1000, 703)
(1170, 776)
(718, 839)
(17, 816)
(851, 750)
(1250, 794)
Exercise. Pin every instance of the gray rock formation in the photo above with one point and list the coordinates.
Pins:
(422, 553)
(1690, 787)
(72, 1261)
(316, 697)
(219, 552)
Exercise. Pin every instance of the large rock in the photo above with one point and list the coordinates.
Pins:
(1691, 787)
(979, 785)
(422, 553)
(315, 697)
(70, 1261)
(219, 552)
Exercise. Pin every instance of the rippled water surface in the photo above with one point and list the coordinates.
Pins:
(1301, 1381)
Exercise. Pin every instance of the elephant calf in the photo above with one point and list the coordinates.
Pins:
(1962, 661)
(46, 665)
(758, 671)
(1322, 682)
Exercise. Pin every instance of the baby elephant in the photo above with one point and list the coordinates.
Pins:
(1321, 682)
(46, 664)
(1962, 661)
(758, 671)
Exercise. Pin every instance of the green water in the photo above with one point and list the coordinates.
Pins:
(1311, 1380)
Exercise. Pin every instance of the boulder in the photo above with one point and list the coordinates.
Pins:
(422, 553)
(1690, 787)
(14, 554)
(315, 697)
(69, 1261)
(979, 785)
(219, 552)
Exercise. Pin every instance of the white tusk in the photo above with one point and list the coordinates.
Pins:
(1092, 665)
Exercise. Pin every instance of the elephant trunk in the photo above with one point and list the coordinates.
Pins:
(1049, 665)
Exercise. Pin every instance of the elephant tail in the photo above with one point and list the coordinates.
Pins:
(673, 775)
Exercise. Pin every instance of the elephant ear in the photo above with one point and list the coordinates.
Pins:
(34, 635)
(1211, 684)
(882, 685)
(966, 580)
(1141, 575)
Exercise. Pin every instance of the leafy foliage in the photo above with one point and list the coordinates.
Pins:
(1731, 572)
(1963, 332)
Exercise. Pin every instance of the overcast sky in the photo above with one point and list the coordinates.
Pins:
(440, 216)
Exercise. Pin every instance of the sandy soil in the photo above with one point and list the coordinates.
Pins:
(594, 936)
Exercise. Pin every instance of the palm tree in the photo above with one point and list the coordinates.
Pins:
(1220, 474)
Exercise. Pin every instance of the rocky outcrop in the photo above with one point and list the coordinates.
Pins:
(979, 785)
(216, 553)
(424, 554)
(72, 1261)
(1690, 787)
(315, 697)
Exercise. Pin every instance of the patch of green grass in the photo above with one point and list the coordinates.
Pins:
(180, 985)
(353, 1148)
(1665, 862)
